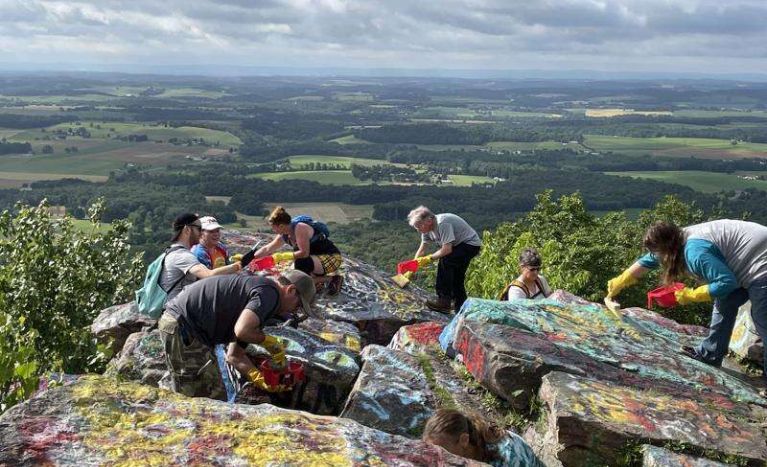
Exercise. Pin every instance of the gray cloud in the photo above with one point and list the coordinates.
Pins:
(623, 34)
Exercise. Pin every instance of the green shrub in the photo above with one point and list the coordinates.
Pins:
(54, 279)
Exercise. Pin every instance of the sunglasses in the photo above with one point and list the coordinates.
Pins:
(199, 227)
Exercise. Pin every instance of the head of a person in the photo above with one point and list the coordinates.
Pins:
(279, 221)
(298, 292)
(422, 219)
(187, 228)
(211, 231)
(530, 263)
(666, 240)
(461, 434)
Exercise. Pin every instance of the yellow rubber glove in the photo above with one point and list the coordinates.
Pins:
(277, 350)
(257, 379)
(235, 258)
(423, 261)
(689, 295)
(615, 285)
(283, 256)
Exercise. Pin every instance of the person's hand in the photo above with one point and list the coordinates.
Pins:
(423, 261)
(257, 379)
(615, 285)
(247, 258)
(689, 295)
(283, 256)
(277, 351)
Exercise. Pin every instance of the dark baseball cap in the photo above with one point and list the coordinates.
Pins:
(305, 287)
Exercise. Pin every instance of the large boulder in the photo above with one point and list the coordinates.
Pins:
(510, 346)
(392, 393)
(653, 456)
(330, 371)
(595, 421)
(142, 359)
(114, 324)
(99, 421)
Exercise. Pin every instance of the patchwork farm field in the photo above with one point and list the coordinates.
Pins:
(326, 177)
(346, 162)
(705, 148)
(706, 182)
(340, 213)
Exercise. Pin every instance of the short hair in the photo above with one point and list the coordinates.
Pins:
(181, 221)
(530, 257)
(279, 216)
(418, 215)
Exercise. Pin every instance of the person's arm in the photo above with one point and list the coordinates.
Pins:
(446, 238)
(237, 357)
(202, 272)
(444, 250)
(627, 278)
(270, 247)
(304, 234)
(421, 250)
(705, 261)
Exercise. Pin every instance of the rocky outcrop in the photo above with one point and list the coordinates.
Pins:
(141, 359)
(654, 456)
(745, 341)
(98, 421)
(114, 324)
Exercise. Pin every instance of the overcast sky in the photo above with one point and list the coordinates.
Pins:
(617, 35)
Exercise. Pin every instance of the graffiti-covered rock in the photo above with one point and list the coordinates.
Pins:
(745, 340)
(114, 324)
(653, 456)
(595, 421)
(330, 371)
(142, 358)
(391, 394)
(335, 332)
(99, 421)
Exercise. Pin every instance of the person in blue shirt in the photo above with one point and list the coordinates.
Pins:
(728, 256)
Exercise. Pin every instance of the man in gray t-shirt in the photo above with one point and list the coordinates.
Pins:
(458, 244)
(181, 266)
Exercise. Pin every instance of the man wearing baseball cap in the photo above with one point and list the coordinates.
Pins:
(230, 310)
(211, 251)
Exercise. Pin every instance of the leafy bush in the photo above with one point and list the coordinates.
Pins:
(54, 280)
(580, 251)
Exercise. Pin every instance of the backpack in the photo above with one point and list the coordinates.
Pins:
(151, 298)
(504, 296)
(321, 230)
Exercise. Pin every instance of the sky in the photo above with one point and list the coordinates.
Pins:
(674, 36)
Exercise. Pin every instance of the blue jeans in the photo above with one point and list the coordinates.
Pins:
(714, 348)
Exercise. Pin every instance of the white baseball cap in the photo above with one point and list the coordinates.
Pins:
(209, 223)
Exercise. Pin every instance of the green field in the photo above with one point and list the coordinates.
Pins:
(191, 92)
(706, 182)
(705, 148)
(298, 161)
(18, 179)
(326, 177)
(340, 213)
(104, 130)
(349, 139)
(468, 180)
(522, 146)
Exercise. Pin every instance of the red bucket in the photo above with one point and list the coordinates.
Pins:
(407, 266)
(261, 264)
(293, 374)
(664, 296)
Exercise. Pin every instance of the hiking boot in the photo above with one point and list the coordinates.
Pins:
(692, 353)
(334, 286)
(441, 304)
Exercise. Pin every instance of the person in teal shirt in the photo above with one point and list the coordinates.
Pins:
(729, 257)
(470, 436)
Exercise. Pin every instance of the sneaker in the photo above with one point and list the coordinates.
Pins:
(441, 304)
(692, 353)
(334, 286)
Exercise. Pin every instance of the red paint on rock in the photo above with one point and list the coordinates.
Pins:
(424, 333)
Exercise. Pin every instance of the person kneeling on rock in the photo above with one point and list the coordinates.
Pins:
(468, 435)
(227, 310)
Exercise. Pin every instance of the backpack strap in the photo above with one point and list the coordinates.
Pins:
(167, 252)
(514, 283)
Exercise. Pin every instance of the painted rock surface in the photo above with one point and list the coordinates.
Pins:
(745, 340)
(118, 322)
(142, 358)
(98, 421)
(330, 371)
(654, 456)
(594, 420)
(509, 346)
(335, 332)
(391, 394)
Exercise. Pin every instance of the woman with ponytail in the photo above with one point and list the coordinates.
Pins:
(728, 257)
(468, 435)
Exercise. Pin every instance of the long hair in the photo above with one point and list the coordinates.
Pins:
(454, 423)
(666, 241)
(279, 216)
